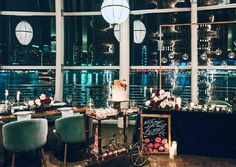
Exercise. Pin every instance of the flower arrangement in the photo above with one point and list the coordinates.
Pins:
(120, 84)
(41, 101)
(157, 145)
(161, 100)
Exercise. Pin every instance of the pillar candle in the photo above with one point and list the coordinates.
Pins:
(151, 91)
(6, 93)
(191, 104)
(174, 145)
(178, 101)
(145, 92)
(171, 153)
(18, 96)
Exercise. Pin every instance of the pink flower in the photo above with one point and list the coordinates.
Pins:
(157, 139)
(164, 141)
(161, 148)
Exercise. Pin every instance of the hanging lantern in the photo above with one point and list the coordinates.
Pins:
(24, 32)
(115, 11)
(139, 31)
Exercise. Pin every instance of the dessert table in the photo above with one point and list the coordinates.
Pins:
(201, 133)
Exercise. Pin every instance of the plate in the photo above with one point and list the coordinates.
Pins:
(19, 107)
(64, 109)
(21, 113)
(59, 104)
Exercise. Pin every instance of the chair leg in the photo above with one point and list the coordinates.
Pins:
(13, 159)
(43, 157)
(65, 154)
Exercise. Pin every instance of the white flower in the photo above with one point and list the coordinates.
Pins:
(156, 99)
(162, 91)
(30, 103)
(38, 102)
(42, 97)
(167, 94)
(153, 95)
(147, 103)
(163, 105)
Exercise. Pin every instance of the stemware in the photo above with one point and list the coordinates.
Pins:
(26, 101)
(11, 101)
(69, 99)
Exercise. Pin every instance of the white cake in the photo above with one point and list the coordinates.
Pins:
(119, 92)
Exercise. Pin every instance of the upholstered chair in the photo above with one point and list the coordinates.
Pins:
(70, 129)
(25, 135)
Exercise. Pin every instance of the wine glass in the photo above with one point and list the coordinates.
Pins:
(69, 99)
(26, 101)
(133, 104)
(11, 101)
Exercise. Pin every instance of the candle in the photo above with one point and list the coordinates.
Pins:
(171, 153)
(6, 93)
(18, 96)
(174, 145)
(151, 91)
(178, 102)
(191, 104)
(145, 91)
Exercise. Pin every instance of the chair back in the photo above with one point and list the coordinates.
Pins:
(25, 135)
(70, 129)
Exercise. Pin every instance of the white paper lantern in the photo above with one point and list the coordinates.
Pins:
(139, 31)
(24, 32)
(115, 11)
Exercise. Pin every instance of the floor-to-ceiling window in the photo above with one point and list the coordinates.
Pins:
(27, 67)
(91, 50)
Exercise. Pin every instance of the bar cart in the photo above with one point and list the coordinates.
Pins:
(135, 152)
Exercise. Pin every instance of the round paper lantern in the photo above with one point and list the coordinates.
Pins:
(115, 11)
(139, 31)
(24, 32)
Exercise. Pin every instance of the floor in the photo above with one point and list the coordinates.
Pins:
(162, 161)
(154, 160)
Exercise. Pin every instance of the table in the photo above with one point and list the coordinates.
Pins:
(45, 114)
(201, 133)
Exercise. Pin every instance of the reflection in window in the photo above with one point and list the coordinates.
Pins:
(214, 2)
(217, 44)
(82, 6)
(93, 43)
(31, 83)
(176, 47)
(28, 5)
(216, 85)
(83, 84)
(41, 49)
(158, 4)
(176, 81)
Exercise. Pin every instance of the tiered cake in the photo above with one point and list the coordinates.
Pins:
(119, 91)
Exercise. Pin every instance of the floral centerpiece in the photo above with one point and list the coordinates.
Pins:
(160, 100)
(41, 101)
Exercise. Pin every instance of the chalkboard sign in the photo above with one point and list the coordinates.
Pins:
(155, 131)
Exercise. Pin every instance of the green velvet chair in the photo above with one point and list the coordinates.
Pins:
(25, 135)
(70, 129)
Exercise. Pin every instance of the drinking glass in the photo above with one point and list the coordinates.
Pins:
(133, 104)
(26, 100)
(69, 99)
(11, 101)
